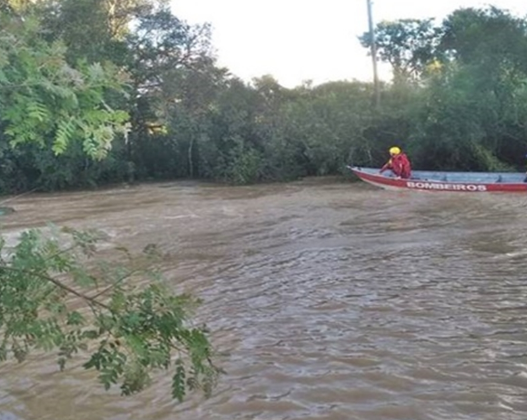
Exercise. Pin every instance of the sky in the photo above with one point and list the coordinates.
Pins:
(301, 40)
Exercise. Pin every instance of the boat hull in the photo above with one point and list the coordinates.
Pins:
(473, 182)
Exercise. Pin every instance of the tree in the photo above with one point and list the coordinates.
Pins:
(57, 294)
(487, 37)
(174, 80)
(47, 101)
(468, 110)
(457, 101)
(489, 46)
(409, 45)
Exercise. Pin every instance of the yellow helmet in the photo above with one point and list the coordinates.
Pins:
(395, 151)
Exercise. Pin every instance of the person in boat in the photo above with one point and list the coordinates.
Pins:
(398, 163)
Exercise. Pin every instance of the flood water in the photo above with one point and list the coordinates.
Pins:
(328, 300)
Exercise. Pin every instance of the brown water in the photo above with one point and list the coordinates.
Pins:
(332, 301)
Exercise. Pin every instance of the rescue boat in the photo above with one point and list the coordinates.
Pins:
(445, 181)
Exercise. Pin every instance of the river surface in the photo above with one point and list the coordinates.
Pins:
(328, 300)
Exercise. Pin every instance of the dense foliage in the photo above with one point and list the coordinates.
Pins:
(57, 294)
(129, 82)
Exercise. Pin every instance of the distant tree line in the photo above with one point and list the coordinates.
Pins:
(94, 92)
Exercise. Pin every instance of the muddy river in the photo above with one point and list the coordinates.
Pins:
(329, 300)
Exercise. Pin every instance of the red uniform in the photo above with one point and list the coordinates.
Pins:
(400, 166)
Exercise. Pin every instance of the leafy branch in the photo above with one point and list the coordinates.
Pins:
(51, 300)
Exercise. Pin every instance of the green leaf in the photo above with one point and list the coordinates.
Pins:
(178, 382)
(75, 318)
(65, 132)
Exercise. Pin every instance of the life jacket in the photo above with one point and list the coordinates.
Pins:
(400, 165)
